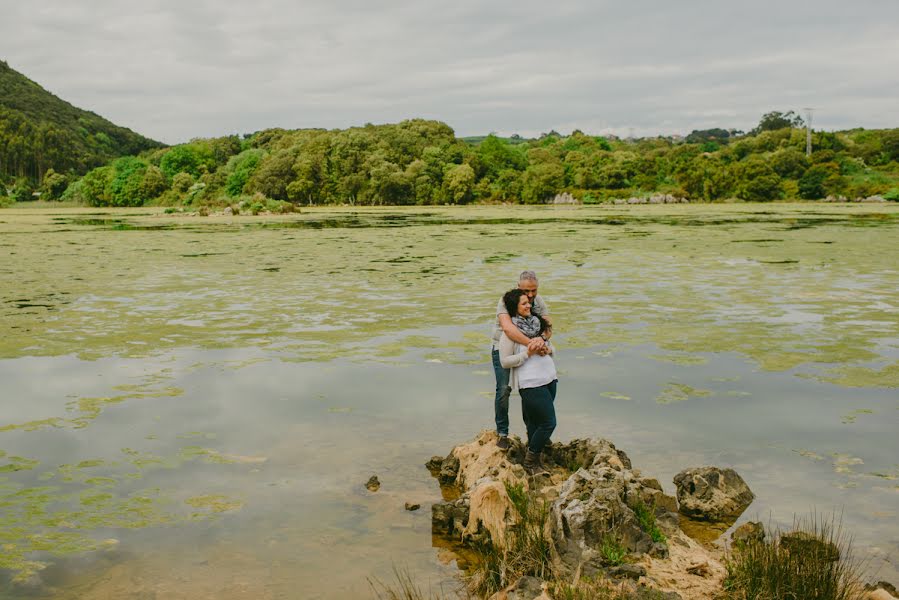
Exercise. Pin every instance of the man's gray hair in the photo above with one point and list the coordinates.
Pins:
(527, 276)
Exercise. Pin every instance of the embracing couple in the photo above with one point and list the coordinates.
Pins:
(522, 361)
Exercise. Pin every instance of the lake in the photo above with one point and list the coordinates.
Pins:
(191, 405)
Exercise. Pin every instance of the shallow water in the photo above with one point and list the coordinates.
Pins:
(191, 406)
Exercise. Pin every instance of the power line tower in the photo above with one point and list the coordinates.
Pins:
(808, 130)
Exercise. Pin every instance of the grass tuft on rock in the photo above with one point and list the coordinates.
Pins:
(812, 562)
(646, 517)
(528, 548)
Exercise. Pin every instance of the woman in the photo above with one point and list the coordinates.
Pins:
(534, 376)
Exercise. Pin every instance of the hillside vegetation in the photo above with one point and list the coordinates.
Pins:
(39, 131)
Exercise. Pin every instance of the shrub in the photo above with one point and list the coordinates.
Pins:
(819, 568)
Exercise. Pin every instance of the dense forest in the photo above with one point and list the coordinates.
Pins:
(60, 152)
(423, 162)
(39, 131)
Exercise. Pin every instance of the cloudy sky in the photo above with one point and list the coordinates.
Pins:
(174, 70)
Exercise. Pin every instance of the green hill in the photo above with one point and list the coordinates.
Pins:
(39, 131)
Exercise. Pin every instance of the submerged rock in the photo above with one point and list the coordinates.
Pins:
(411, 506)
(373, 485)
(748, 532)
(712, 494)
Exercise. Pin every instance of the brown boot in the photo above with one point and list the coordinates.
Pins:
(533, 465)
(503, 442)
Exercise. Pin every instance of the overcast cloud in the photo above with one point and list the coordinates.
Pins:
(197, 68)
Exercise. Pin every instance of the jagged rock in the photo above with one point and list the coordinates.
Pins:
(600, 501)
(373, 484)
(450, 518)
(802, 542)
(712, 494)
(750, 531)
(410, 506)
(591, 493)
(434, 464)
(449, 469)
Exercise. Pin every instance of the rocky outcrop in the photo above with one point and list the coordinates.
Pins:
(565, 198)
(595, 499)
(712, 494)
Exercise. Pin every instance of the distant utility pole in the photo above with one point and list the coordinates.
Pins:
(808, 130)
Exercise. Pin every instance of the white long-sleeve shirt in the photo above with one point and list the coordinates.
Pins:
(526, 371)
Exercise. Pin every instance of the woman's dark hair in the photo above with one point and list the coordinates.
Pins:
(510, 301)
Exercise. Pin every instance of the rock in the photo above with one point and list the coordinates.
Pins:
(410, 506)
(434, 465)
(526, 588)
(748, 532)
(228, 211)
(373, 484)
(712, 494)
(881, 590)
(450, 518)
(626, 571)
(805, 543)
(565, 198)
(449, 469)
(700, 569)
(591, 494)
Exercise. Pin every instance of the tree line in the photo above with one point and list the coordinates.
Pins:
(420, 162)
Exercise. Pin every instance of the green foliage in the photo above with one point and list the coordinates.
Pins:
(613, 553)
(778, 120)
(699, 136)
(419, 162)
(758, 181)
(182, 182)
(193, 158)
(54, 185)
(646, 517)
(240, 168)
(95, 185)
(821, 568)
(39, 131)
(820, 180)
(125, 187)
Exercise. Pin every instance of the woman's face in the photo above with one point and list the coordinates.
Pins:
(524, 306)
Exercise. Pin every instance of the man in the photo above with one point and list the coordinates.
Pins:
(527, 282)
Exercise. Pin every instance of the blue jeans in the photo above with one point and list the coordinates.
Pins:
(501, 399)
(539, 413)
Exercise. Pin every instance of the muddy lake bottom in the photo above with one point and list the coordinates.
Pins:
(191, 406)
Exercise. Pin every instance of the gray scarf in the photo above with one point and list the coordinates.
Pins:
(530, 326)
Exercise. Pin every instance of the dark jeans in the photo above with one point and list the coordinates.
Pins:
(501, 400)
(539, 412)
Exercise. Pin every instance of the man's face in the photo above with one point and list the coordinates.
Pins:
(529, 287)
